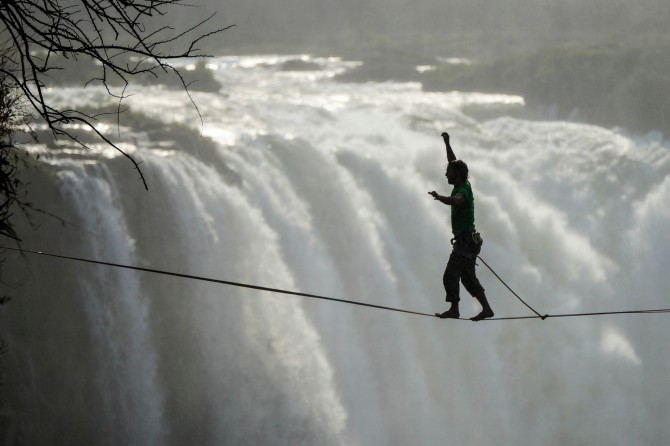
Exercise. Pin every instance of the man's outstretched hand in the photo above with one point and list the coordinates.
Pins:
(445, 136)
(434, 194)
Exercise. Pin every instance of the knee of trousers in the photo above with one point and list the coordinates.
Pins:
(472, 285)
(450, 279)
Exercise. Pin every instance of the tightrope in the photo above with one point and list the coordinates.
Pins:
(219, 281)
(332, 299)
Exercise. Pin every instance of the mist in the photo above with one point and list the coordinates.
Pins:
(600, 62)
(475, 26)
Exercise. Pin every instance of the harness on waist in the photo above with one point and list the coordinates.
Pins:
(474, 236)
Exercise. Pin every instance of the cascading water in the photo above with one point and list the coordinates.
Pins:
(320, 186)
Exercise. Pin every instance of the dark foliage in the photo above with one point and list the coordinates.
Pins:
(10, 184)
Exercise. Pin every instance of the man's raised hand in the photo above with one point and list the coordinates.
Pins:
(450, 152)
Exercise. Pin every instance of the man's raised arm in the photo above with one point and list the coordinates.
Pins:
(450, 152)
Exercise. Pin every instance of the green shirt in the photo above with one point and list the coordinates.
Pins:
(463, 216)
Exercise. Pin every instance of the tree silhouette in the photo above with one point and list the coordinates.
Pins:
(10, 116)
(123, 37)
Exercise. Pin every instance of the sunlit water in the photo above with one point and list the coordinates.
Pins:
(324, 190)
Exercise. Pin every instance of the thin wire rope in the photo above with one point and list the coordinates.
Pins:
(219, 281)
(315, 296)
(512, 291)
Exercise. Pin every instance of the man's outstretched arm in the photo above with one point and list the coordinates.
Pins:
(450, 152)
(456, 200)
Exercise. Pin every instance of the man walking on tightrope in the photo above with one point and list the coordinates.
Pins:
(466, 242)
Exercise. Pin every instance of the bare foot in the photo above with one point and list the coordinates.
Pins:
(485, 314)
(452, 313)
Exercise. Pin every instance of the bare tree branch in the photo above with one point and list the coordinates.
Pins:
(124, 37)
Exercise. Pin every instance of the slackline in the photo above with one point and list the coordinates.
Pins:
(315, 296)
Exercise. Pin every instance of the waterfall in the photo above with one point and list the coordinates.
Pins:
(117, 311)
(319, 186)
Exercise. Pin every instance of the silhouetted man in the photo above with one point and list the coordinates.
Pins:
(466, 242)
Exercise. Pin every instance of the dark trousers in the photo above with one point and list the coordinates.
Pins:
(461, 266)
